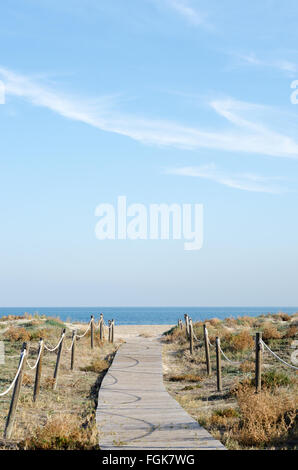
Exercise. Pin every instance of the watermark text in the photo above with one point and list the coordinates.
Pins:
(152, 222)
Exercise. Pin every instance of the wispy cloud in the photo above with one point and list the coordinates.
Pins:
(243, 135)
(280, 64)
(187, 11)
(243, 181)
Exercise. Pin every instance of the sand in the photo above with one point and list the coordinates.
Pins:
(125, 332)
(131, 331)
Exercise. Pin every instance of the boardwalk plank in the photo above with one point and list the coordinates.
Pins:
(136, 412)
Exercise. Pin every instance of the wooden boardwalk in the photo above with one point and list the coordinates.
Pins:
(136, 412)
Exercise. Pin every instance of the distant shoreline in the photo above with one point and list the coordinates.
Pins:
(144, 315)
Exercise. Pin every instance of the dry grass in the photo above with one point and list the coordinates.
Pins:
(238, 416)
(214, 321)
(185, 378)
(282, 316)
(242, 341)
(175, 334)
(291, 332)
(265, 417)
(7, 318)
(27, 379)
(231, 322)
(17, 334)
(270, 332)
(24, 334)
(224, 416)
(97, 365)
(247, 366)
(64, 432)
(76, 391)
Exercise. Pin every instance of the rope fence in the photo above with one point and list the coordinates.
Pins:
(23, 354)
(277, 357)
(260, 347)
(17, 381)
(52, 349)
(38, 357)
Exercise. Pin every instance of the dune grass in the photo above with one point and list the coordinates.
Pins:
(238, 416)
(63, 418)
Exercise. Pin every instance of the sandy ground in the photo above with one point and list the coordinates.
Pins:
(149, 331)
(126, 332)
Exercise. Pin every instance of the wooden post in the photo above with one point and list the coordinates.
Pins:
(186, 318)
(207, 352)
(109, 330)
(14, 399)
(38, 371)
(112, 331)
(181, 324)
(92, 332)
(258, 376)
(58, 360)
(101, 327)
(73, 349)
(218, 365)
(190, 337)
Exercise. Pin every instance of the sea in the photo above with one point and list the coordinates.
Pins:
(144, 315)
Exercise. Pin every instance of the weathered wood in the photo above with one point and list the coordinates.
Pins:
(258, 373)
(56, 372)
(136, 412)
(109, 323)
(218, 364)
(190, 337)
(92, 332)
(101, 327)
(186, 319)
(207, 351)
(38, 371)
(112, 331)
(73, 349)
(15, 397)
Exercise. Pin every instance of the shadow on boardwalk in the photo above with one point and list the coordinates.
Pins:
(136, 412)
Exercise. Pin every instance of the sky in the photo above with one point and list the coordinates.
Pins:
(161, 101)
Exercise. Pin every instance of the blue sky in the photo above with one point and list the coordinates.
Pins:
(170, 101)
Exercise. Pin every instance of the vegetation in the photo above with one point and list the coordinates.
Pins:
(63, 418)
(65, 432)
(238, 416)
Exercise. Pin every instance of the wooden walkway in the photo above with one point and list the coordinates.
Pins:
(136, 412)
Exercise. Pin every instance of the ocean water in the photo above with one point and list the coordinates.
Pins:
(144, 315)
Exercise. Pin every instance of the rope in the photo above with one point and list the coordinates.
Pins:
(82, 336)
(39, 354)
(197, 339)
(277, 357)
(73, 340)
(229, 360)
(208, 340)
(107, 326)
(54, 349)
(17, 374)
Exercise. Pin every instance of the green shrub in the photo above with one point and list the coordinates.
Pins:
(272, 379)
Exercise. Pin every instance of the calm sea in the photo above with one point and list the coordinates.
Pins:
(144, 315)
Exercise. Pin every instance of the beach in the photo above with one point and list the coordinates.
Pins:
(129, 331)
